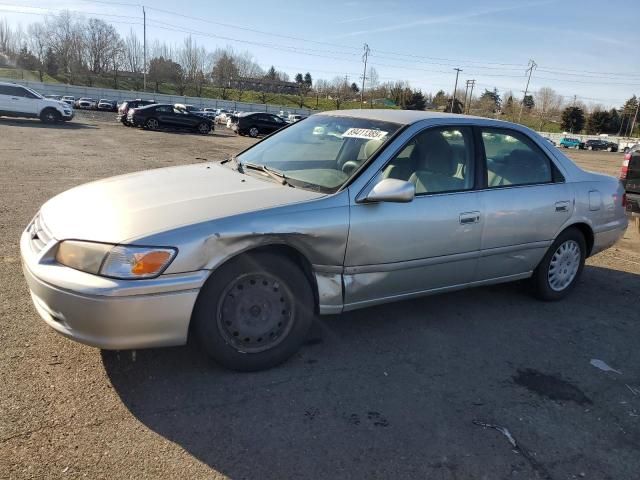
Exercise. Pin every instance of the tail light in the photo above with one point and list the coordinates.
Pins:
(624, 171)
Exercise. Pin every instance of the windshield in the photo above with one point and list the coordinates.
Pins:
(37, 95)
(320, 152)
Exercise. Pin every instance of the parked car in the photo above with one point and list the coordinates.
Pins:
(630, 178)
(106, 105)
(86, 103)
(600, 144)
(53, 97)
(193, 109)
(294, 117)
(254, 124)
(157, 116)
(69, 100)
(124, 107)
(242, 254)
(221, 115)
(19, 101)
(570, 143)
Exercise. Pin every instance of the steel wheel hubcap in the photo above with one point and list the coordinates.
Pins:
(564, 265)
(255, 312)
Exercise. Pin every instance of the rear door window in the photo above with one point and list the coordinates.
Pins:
(513, 159)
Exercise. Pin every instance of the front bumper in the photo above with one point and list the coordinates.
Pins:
(108, 313)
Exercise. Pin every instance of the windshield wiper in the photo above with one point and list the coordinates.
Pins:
(279, 176)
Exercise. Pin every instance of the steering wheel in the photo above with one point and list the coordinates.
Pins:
(350, 166)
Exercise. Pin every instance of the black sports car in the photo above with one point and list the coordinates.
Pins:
(154, 117)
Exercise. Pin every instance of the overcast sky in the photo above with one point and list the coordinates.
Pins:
(586, 48)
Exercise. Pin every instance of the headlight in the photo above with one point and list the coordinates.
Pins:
(122, 261)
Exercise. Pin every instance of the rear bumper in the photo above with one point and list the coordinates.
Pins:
(607, 238)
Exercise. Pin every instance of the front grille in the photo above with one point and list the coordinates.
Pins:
(40, 236)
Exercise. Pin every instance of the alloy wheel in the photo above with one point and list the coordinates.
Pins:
(253, 131)
(152, 124)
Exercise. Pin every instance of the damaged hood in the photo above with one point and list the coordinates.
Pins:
(128, 207)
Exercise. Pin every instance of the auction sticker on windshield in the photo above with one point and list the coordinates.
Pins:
(367, 133)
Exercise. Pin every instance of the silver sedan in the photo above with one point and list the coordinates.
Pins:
(339, 211)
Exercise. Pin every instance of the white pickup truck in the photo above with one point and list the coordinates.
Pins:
(19, 101)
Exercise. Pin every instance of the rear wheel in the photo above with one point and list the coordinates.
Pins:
(589, 147)
(50, 115)
(559, 270)
(254, 312)
(609, 149)
(151, 124)
(203, 128)
(253, 132)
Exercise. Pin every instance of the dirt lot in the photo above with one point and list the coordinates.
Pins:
(398, 391)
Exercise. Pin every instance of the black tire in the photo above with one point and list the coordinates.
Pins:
(203, 128)
(254, 132)
(220, 310)
(542, 284)
(50, 115)
(151, 124)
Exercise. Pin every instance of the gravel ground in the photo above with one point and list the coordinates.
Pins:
(397, 391)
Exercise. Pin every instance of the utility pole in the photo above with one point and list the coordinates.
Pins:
(473, 84)
(453, 98)
(365, 56)
(532, 66)
(144, 48)
(635, 117)
(466, 91)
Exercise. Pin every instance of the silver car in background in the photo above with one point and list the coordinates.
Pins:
(338, 211)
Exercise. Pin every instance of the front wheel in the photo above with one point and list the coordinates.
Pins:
(559, 270)
(50, 116)
(254, 312)
(609, 149)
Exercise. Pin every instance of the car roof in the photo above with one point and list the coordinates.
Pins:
(403, 117)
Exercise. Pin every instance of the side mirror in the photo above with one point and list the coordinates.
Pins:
(392, 190)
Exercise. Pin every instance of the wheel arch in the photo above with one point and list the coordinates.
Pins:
(586, 231)
(282, 249)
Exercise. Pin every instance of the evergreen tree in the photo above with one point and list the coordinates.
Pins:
(416, 101)
(573, 119)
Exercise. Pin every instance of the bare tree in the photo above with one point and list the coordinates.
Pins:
(339, 89)
(100, 40)
(39, 42)
(133, 53)
(67, 42)
(547, 105)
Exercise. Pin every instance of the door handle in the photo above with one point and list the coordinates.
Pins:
(469, 217)
(562, 206)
